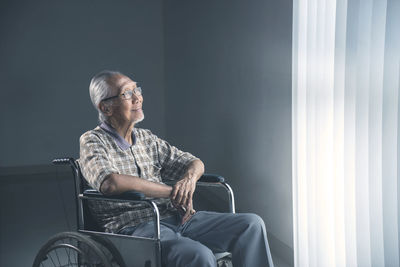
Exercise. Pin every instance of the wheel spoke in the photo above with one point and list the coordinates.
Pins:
(51, 258)
(71, 249)
(68, 255)
(58, 257)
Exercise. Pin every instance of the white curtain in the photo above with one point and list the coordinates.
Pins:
(346, 68)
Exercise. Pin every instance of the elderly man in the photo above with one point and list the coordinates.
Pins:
(116, 157)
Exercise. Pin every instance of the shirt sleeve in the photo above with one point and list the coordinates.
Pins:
(174, 162)
(94, 160)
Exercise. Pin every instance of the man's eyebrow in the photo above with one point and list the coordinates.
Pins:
(126, 86)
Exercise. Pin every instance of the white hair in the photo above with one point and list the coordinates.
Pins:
(100, 89)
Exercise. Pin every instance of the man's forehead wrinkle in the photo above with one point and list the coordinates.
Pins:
(119, 82)
(126, 85)
(126, 82)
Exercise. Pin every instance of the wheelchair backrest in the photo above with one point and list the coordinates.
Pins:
(86, 220)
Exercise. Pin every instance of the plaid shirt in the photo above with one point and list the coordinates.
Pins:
(103, 151)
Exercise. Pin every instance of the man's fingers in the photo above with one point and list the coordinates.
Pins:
(189, 199)
(182, 192)
(179, 199)
(189, 213)
(181, 196)
(174, 192)
(183, 200)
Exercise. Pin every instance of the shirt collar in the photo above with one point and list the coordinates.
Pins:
(122, 143)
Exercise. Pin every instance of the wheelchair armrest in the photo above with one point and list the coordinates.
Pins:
(129, 195)
(205, 178)
(211, 178)
(62, 161)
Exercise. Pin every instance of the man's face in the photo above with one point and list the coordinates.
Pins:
(125, 110)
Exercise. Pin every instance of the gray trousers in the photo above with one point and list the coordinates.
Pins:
(193, 243)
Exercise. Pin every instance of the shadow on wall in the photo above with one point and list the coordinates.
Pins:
(39, 203)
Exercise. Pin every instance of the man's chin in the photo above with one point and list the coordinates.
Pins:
(141, 118)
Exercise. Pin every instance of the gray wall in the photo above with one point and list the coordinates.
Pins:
(50, 49)
(225, 67)
(48, 52)
(228, 98)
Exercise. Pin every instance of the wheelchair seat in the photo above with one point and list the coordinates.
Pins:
(91, 246)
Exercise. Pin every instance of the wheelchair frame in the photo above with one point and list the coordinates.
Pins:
(122, 244)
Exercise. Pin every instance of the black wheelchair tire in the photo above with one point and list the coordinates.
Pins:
(54, 243)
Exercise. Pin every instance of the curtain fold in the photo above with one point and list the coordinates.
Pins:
(346, 68)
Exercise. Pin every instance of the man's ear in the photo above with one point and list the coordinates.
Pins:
(105, 109)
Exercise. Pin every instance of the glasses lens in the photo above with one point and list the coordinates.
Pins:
(138, 90)
(128, 94)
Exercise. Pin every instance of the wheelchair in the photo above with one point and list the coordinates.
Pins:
(89, 246)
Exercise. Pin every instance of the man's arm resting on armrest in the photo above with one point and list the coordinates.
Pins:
(115, 184)
(183, 190)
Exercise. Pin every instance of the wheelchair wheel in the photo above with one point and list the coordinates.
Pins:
(71, 249)
(110, 251)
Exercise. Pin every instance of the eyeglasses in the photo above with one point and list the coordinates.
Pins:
(127, 94)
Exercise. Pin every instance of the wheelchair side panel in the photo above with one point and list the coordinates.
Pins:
(135, 252)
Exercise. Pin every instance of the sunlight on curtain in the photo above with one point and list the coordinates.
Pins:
(346, 68)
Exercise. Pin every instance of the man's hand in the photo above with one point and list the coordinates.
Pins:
(183, 190)
(185, 212)
(189, 213)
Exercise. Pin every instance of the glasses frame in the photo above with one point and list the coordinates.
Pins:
(136, 91)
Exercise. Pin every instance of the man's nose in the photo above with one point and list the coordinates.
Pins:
(136, 98)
